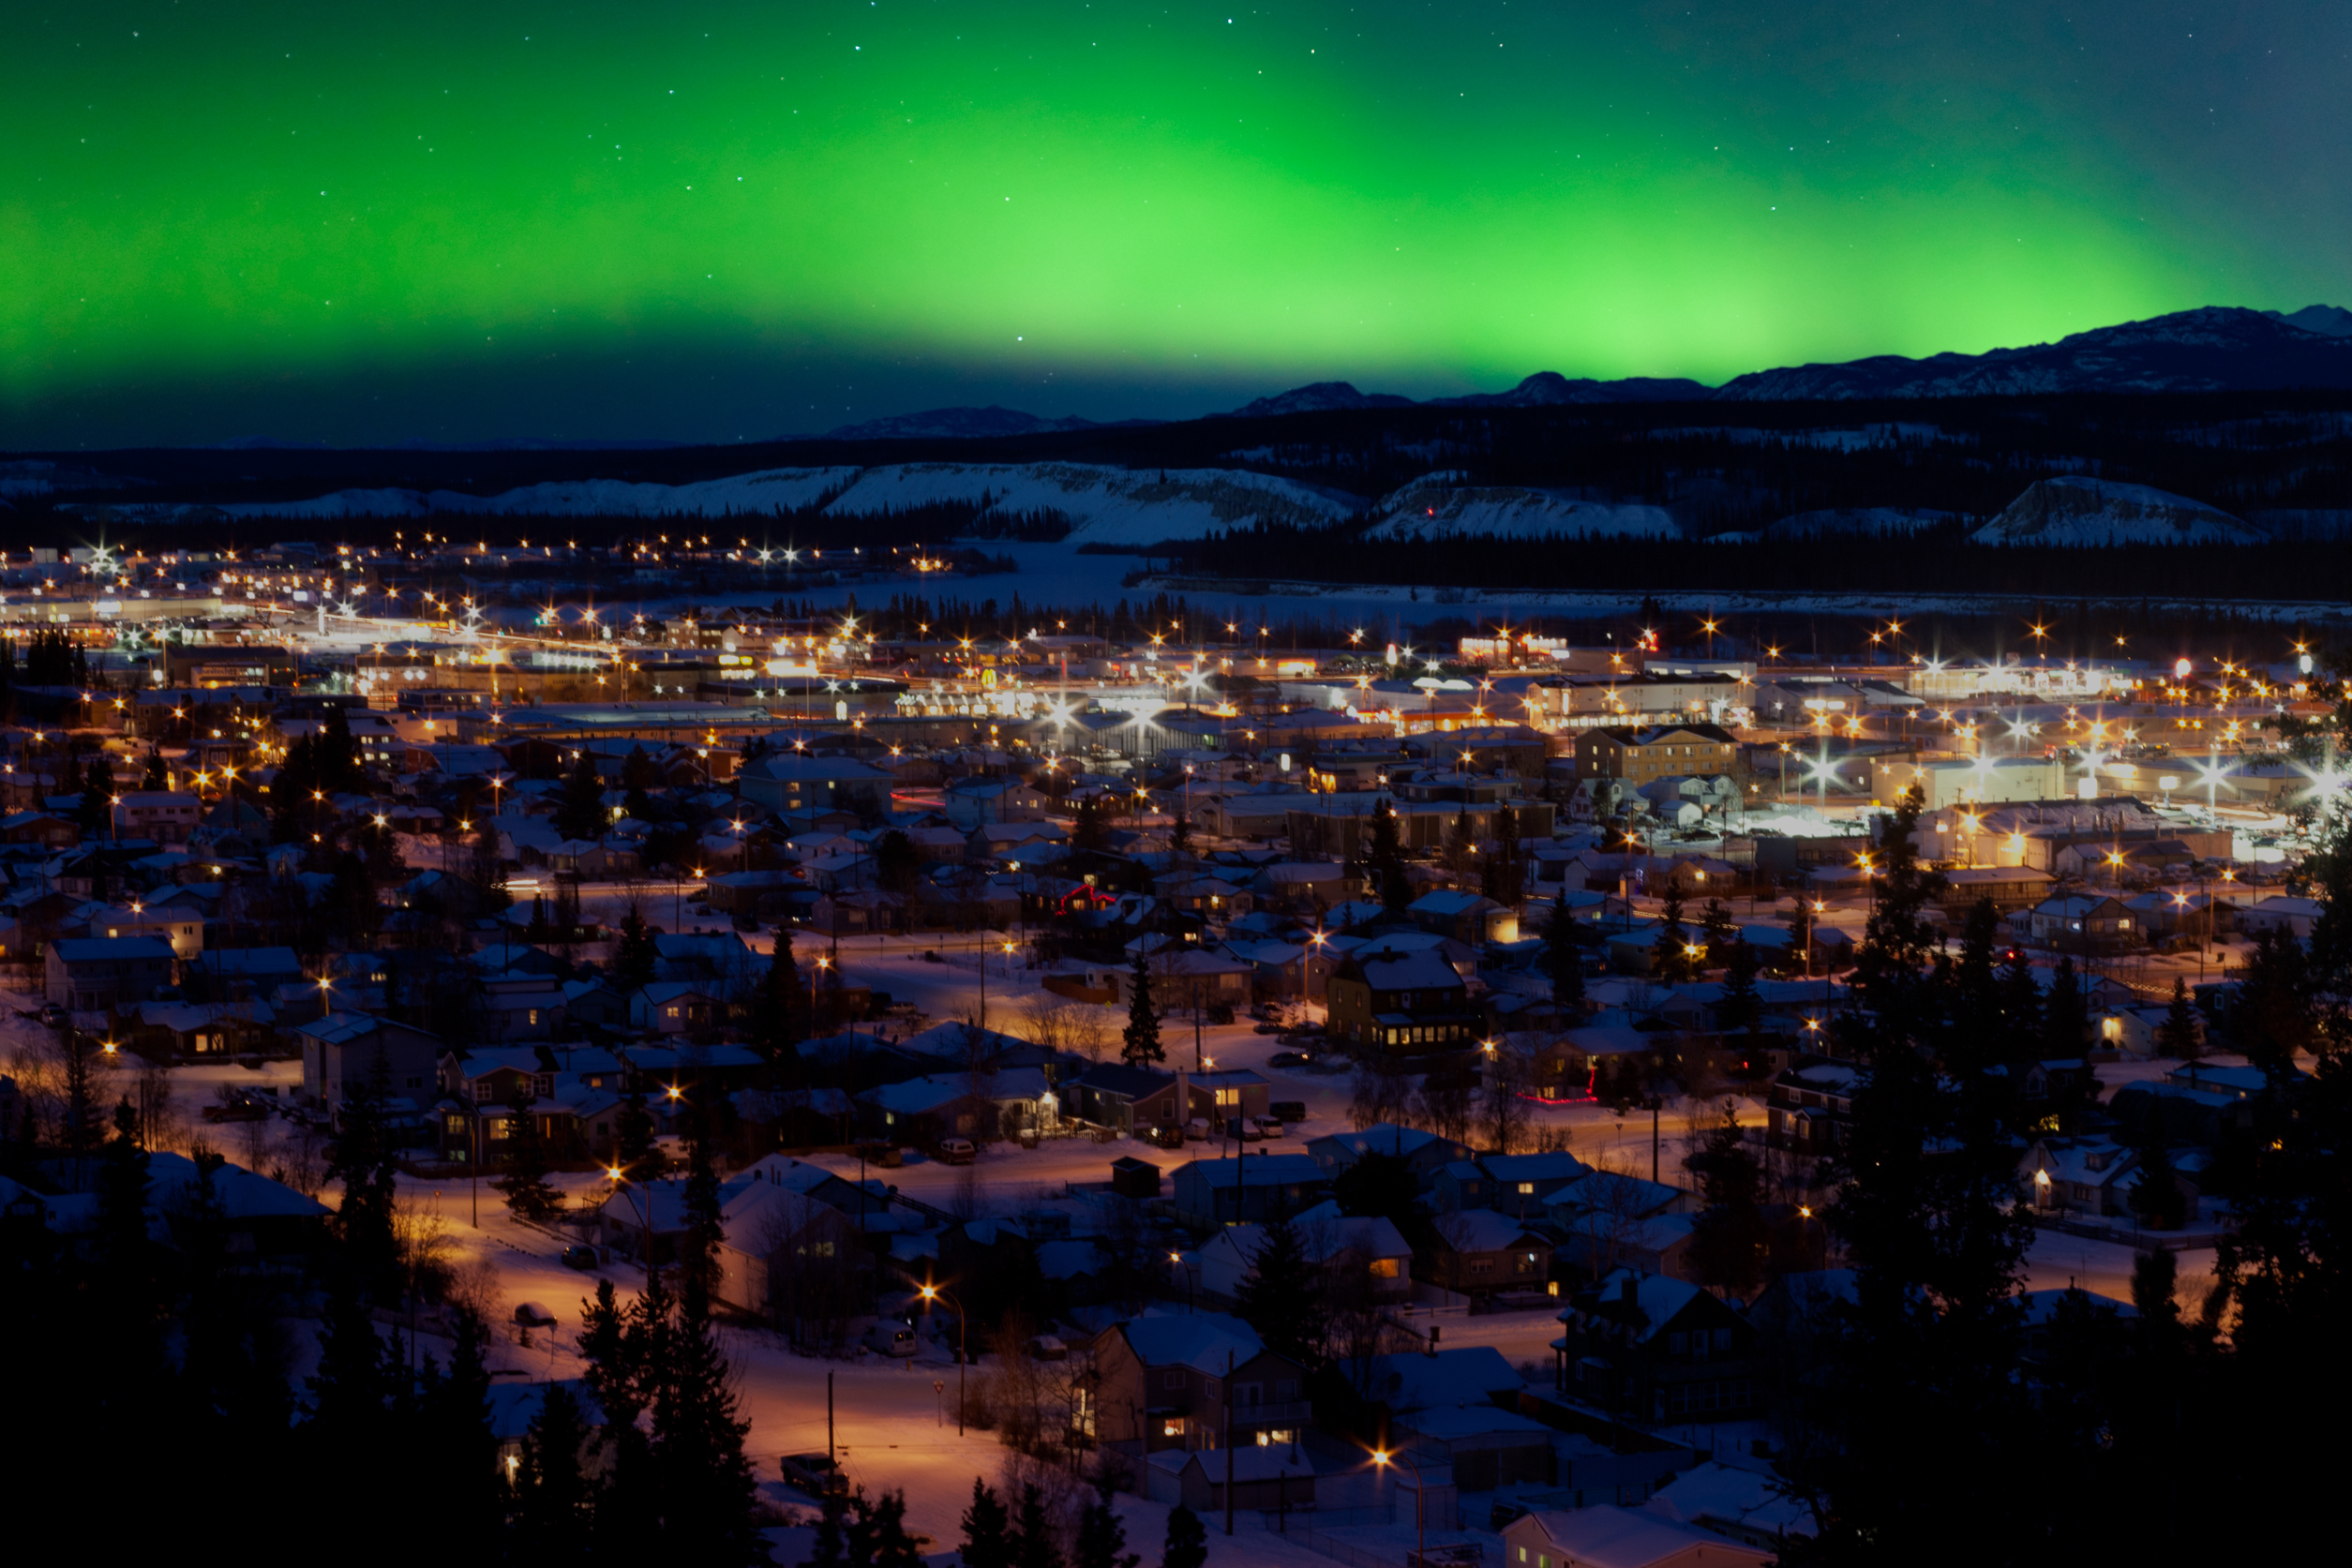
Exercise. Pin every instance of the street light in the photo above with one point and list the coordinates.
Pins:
(932, 1292)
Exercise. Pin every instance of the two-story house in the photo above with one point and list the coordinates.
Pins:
(1402, 1003)
(1199, 1380)
(165, 816)
(1248, 1187)
(1658, 752)
(91, 974)
(1477, 1252)
(1657, 1350)
(344, 1053)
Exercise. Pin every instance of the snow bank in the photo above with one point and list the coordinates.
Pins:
(1425, 507)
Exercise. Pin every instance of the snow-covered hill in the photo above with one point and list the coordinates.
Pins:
(1437, 506)
(766, 490)
(1854, 520)
(2082, 512)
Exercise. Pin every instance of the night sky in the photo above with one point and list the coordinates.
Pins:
(449, 221)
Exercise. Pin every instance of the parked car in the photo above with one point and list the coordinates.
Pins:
(1268, 1126)
(890, 1337)
(957, 1151)
(1288, 1110)
(1246, 1129)
(1288, 1059)
(579, 1255)
(814, 1473)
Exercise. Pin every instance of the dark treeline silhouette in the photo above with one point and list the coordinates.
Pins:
(1938, 560)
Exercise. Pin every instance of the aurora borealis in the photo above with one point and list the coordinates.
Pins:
(447, 221)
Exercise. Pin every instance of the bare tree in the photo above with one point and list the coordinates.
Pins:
(1503, 1100)
(1612, 1212)
(1383, 1092)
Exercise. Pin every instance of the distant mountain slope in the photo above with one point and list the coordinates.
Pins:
(2215, 348)
(1550, 389)
(964, 424)
(1436, 505)
(2086, 511)
(1317, 397)
(2329, 321)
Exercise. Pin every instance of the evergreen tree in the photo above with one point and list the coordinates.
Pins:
(897, 864)
(1728, 1237)
(1089, 832)
(985, 1527)
(1564, 958)
(1461, 851)
(525, 1161)
(708, 1499)
(1715, 922)
(536, 933)
(698, 1245)
(579, 812)
(633, 1135)
(452, 1449)
(1672, 953)
(879, 1535)
(1741, 1007)
(1976, 1010)
(2155, 1193)
(1101, 1538)
(95, 813)
(634, 955)
(364, 1162)
(159, 776)
(1180, 835)
(1377, 1183)
(2179, 1035)
(1187, 1543)
(1278, 1296)
(1801, 933)
(1139, 1043)
(1033, 1534)
(780, 1007)
(1385, 860)
(2020, 1010)
(555, 1494)
(831, 1549)
(2065, 1013)
(637, 776)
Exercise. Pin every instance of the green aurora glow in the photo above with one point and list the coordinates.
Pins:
(672, 220)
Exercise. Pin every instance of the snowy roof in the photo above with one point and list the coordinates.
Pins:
(1478, 1231)
(1201, 1340)
(1446, 1423)
(1607, 1536)
(1734, 1496)
(1450, 1377)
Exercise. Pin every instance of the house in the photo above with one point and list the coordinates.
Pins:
(785, 1255)
(977, 1106)
(1404, 1003)
(1232, 1191)
(1656, 1348)
(91, 974)
(2083, 922)
(1643, 756)
(42, 828)
(1368, 1247)
(1752, 1507)
(1522, 1184)
(2282, 912)
(515, 1405)
(2084, 1175)
(972, 801)
(1477, 1252)
(674, 1007)
(2010, 887)
(1607, 1536)
(242, 974)
(344, 1052)
(1425, 1152)
(1487, 1446)
(792, 781)
(1114, 1095)
(186, 1031)
(165, 816)
(1614, 1219)
(1810, 1107)
(1465, 917)
(182, 927)
(1185, 1382)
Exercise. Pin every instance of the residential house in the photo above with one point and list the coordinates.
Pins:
(1368, 1247)
(981, 1107)
(1609, 1536)
(1189, 1382)
(2080, 1176)
(1424, 1151)
(182, 927)
(1404, 1003)
(674, 1007)
(972, 801)
(1465, 917)
(2083, 922)
(1477, 1252)
(1750, 1506)
(1657, 1350)
(165, 816)
(792, 781)
(86, 974)
(1249, 1187)
(1264, 1475)
(786, 1254)
(1662, 751)
(1521, 1184)
(242, 974)
(345, 1052)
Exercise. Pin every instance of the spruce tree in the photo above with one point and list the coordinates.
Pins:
(1670, 955)
(364, 1162)
(635, 954)
(452, 1446)
(1033, 1534)
(2065, 1013)
(1728, 1237)
(579, 812)
(708, 1499)
(1461, 850)
(633, 1135)
(1716, 920)
(2020, 1010)
(1741, 1007)
(159, 776)
(1101, 1538)
(879, 1536)
(1139, 1043)
(780, 1009)
(697, 1247)
(1564, 959)
(525, 1161)
(1278, 1297)
(985, 1527)
(1385, 860)
(2179, 1035)
(555, 1493)
(1187, 1543)
(832, 1548)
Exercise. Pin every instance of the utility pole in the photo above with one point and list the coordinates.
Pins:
(1229, 1443)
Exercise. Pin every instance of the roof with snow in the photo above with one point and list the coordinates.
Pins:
(1201, 1340)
